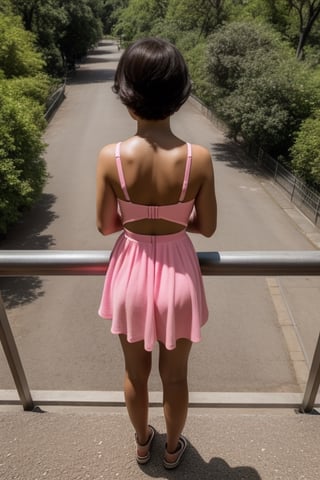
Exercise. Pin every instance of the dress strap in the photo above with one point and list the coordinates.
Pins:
(186, 173)
(120, 172)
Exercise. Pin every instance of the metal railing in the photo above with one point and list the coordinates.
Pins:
(306, 199)
(30, 263)
(55, 100)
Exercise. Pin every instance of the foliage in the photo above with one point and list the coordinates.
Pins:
(306, 150)
(194, 51)
(138, 18)
(18, 56)
(230, 49)
(6, 7)
(22, 169)
(23, 92)
(260, 89)
(64, 30)
(82, 31)
(308, 12)
(192, 15)
(111, 9)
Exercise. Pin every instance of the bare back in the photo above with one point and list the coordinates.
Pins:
(154, 174)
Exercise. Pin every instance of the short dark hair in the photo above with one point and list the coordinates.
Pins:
(152, 79)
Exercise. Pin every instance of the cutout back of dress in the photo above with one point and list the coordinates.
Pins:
(178, 212)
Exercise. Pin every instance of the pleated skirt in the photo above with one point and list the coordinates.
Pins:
(153, 289)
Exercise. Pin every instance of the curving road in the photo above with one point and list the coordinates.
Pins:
(65, 345)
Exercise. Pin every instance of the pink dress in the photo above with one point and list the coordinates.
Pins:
(153, 289)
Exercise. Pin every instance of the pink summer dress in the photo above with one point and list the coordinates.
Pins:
(153, 288)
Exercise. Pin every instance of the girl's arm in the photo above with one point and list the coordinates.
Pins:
(108, 218)
(203, 219)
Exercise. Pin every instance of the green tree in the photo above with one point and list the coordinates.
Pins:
(23, 91)
(83, 29)
(196, 59)
(111, 9)
(138, 18)
(260, 89)
(230, 47)
(6, 7)
(22, 169)
(64, 30)
(296, 20)
(308, 12)
(46, 19)
(203, 16)
(305, 151)
(18, 56)
(274, 12)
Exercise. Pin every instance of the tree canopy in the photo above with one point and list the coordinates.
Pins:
(64, 31)
(256, 63)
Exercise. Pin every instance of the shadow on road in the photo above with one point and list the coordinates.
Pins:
(234, 157)
(91, 59)
(193, 466)
(92, 75)
(101, 51)
(19, 291)
(106, 43)
(26, 235)
(87, 73)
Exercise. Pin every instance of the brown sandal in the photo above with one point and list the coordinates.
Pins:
(142, 459)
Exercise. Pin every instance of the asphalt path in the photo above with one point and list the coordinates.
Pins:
(65, 345)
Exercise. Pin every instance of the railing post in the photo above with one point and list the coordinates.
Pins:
(293, 189)
(317, 210)
(13, 359)
(313, 381)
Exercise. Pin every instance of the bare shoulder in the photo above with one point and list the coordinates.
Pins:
(106, 163)
(201, 154)
(107, 152)
(201, 158)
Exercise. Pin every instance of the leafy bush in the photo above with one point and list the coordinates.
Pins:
(195, 57)
(138, 19)
(23, 91)
(18, 56)
(230, 49)
(306, 150)
(259, 88)
(81, 31)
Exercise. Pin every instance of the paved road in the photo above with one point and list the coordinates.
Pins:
(65, 345)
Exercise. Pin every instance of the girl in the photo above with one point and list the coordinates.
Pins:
(154, 187)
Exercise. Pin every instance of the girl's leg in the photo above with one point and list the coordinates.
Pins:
(173, 368)
(137, 371)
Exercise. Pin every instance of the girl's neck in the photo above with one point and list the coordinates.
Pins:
(154, 128)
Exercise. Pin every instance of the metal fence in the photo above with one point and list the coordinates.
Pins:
(306, 199)
(25, 263)
(55, 100)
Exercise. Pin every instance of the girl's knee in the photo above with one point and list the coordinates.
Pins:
(138, 378)
(171, 377)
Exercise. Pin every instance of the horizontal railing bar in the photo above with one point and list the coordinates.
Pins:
(64, 262)
(55, 262)
(196, 399)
